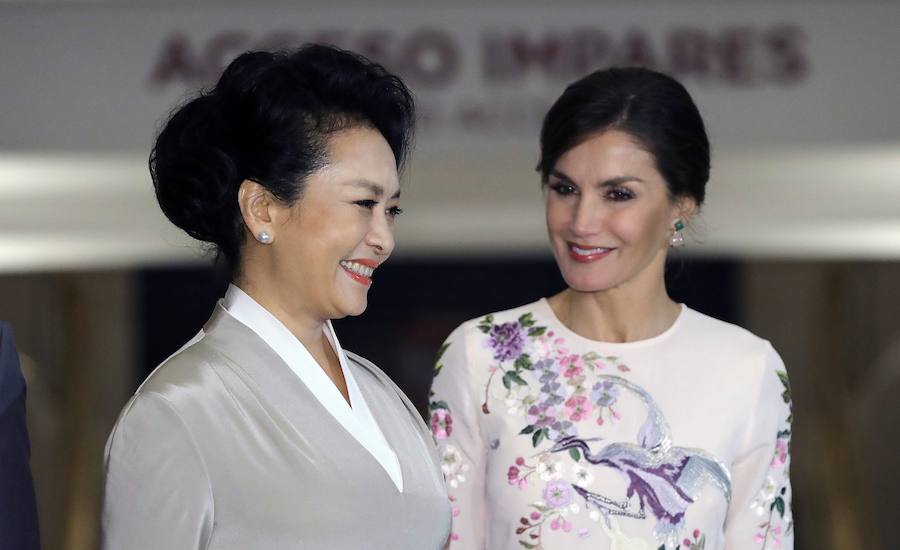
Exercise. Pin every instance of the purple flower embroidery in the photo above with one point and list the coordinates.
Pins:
(605, 393)
(559, 429)
(557, 494)
(507, 341)
(540, 416)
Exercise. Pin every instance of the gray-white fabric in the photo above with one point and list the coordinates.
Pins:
(223, 447)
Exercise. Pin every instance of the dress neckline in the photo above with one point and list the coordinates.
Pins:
(570, 334)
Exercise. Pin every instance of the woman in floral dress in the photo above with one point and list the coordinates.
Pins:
(608, 415)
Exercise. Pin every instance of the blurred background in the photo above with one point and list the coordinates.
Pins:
(799, 241)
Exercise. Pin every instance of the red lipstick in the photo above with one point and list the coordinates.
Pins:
(586, 254)
(361, 278)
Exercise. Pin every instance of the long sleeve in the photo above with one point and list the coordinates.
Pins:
(157, 492)
(759, 516)
(454, 422)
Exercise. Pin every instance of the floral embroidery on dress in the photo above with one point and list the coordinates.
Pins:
(772, 503)
(546, 384)
(453, 466)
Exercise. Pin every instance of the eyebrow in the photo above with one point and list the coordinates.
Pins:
(611, 182)
(375, 188)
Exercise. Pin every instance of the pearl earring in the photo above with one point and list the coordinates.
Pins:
(677, 240)
(264, 237)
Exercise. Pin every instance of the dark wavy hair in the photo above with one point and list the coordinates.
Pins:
(654, 108)
(268, 119)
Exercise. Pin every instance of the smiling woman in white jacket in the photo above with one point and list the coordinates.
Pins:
(262, 432)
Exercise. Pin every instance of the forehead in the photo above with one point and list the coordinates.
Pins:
(359, 154)
(607, 155)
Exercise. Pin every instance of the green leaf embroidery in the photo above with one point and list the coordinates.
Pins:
(523, 362)
(437, 358)
(527, 430)
(486, 324)
(779, 504)
(526, 320)
(511, 377)
(786, 394)
(517, 379)
(575, 454)
(537, 331)
(435, 405)
(538, 437)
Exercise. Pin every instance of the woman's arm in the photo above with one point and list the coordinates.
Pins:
(759, 516)
(157, 493)
(454, 419)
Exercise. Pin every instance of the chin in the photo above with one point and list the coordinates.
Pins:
(580, 286)
(589, 282)
(352, 308)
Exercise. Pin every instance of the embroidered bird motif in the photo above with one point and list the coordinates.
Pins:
(665, 479)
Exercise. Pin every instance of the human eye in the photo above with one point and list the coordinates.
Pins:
(562, 189)
(368, 204)
(394, 211)
(619, 194)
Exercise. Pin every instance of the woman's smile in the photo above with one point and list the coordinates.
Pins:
(360, 270)
(586, 254)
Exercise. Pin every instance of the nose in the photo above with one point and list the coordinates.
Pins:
(586, 218)
(381, 236)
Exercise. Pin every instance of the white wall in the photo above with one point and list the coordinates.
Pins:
(800, 100)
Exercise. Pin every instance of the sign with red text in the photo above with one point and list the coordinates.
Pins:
(799, 100)
(104, 76)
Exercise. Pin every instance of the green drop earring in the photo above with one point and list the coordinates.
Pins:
(677, 240)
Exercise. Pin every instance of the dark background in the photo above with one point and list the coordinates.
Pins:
(413, 306)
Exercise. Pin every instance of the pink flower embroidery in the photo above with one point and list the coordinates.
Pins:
(441, 424)
(781, 452)
(578, 407)
(558, 494)
(512, 475)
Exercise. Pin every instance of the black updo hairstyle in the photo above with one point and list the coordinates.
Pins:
(653, 108)
(268, 120)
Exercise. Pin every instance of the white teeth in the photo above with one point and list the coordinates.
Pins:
(359, 269)
(588, 251)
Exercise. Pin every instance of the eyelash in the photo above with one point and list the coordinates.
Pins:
(620, 195)
(562, 189)
(614, 194)
(369, 204)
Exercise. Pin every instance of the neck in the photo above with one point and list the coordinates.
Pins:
(637, 310)
(308, 329)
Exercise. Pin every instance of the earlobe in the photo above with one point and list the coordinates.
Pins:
(255, 203)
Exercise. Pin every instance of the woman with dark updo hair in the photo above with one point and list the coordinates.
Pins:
(261, 432)
(608, 415)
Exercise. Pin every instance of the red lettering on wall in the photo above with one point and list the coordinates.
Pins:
(689, 52)
(430, 58)
(784, 43)
(637, 50)
(176, 62)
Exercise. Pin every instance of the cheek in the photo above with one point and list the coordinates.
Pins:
(557, 216)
